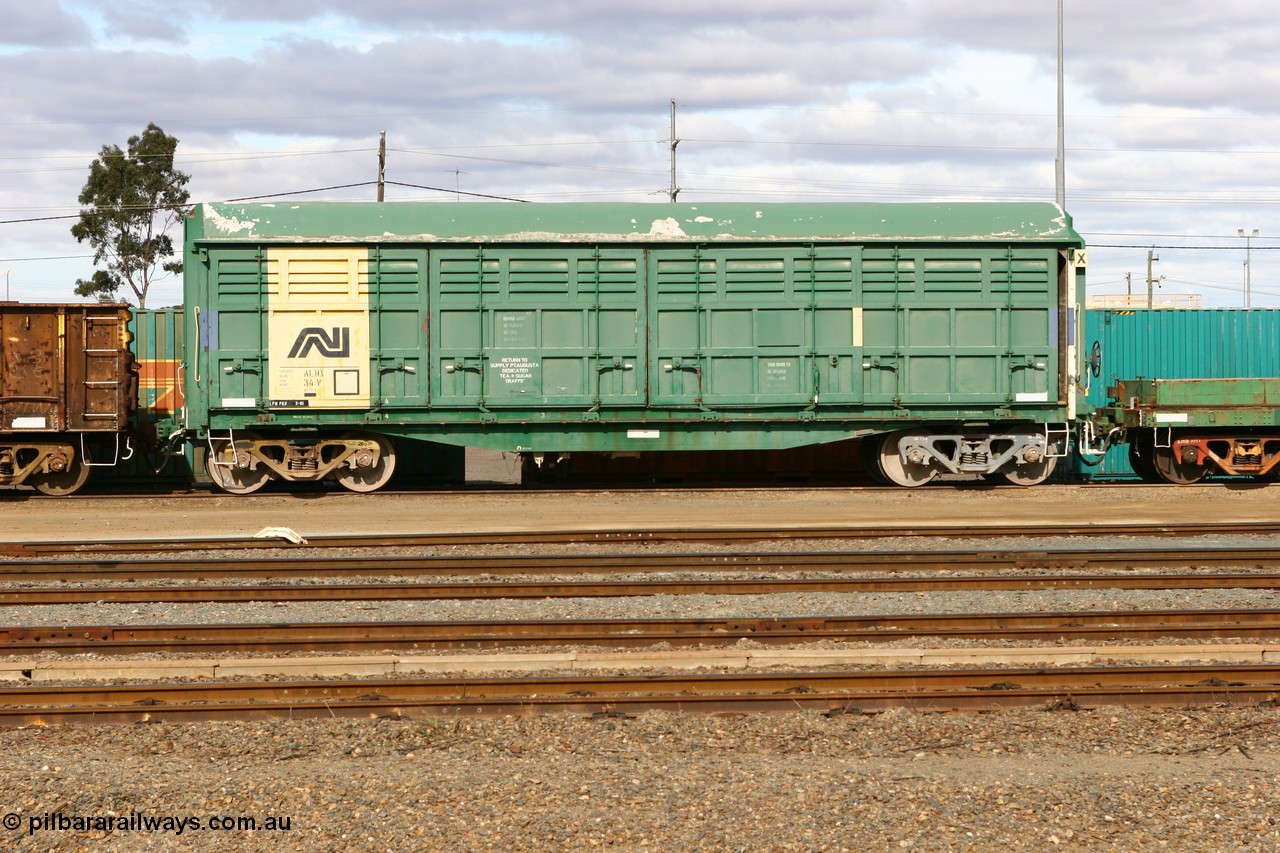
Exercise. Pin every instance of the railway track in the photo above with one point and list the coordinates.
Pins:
(266, 568)
(630, 633)
(832, 693)
(691, 534)
(92, 575)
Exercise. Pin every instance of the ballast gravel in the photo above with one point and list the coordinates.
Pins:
(1203, 780)
(639, 607)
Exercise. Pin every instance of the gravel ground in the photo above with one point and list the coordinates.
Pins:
(649, 607)
(1123, 780)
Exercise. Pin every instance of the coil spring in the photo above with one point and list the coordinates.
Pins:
(974, 458)
(6, 469)
(1251, 459)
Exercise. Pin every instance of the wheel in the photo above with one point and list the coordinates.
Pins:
(65, 482)
(869, 456)
(370, 475)
(1170, 469)
(236, 472)
(1140, 461)
(899, 472)
(1030, 474)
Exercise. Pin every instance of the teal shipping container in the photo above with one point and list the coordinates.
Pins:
(1177, 344)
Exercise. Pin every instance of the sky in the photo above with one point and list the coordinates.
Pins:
(1172, 113)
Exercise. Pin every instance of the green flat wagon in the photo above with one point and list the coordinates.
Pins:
(1182, 430)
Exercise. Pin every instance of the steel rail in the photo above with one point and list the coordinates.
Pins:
(692, 534)
(831, 692)
(831, 705)
(132, 570)
(13, 596)
(826, 680)
(444, 636)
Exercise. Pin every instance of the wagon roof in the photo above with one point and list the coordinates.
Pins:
(479, 222)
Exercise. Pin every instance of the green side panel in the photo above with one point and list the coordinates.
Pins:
(398, 326)
(961, 326)
(1198, 403)
(741, 326)
(537, 326)
(579, 326)
(1219, 393)
(233, 366)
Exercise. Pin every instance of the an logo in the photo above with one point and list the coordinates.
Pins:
(335, 345)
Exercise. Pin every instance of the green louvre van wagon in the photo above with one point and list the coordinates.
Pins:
(324, 335)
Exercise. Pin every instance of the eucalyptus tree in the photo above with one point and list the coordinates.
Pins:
(131, 200)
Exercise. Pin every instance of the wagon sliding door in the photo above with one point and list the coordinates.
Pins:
(231, 359)
(755, 327)
(537, 327)
(975, 326)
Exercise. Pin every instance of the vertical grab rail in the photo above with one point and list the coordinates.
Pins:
(199, 342)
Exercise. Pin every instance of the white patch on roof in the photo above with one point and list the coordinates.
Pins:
(703, 219)
(668, 227)
(228, 224)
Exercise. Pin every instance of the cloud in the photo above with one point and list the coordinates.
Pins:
(47, 24)
(568, 99)
(146, 20)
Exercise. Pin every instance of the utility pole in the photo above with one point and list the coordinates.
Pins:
(674, 190)
(382, 164)
(1060, 165)
(1128, 287)
(1151, 256)
(1248, 265)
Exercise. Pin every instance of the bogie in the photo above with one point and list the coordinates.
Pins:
(244, 463)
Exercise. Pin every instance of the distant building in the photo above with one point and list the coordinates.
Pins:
(1134, 300)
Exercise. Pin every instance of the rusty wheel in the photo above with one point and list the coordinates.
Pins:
(371, 465)
(1170, 469)
(64, 482)
(233, 469)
